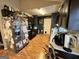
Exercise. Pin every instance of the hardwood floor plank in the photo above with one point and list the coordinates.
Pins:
(34, 50)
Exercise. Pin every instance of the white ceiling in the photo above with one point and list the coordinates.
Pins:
(43, 11)
(34, 7)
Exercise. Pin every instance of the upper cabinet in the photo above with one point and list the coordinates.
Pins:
(74, 15)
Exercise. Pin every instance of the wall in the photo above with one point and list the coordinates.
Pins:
(54, 19)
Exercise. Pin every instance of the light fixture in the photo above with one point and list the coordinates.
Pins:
(40, 11)
(66, 9)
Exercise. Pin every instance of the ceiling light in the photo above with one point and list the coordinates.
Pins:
(41, 11)
(52, 0)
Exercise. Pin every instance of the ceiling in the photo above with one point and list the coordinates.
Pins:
(43, 11)
(40, 7)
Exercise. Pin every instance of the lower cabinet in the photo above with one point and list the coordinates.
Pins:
(66, 55)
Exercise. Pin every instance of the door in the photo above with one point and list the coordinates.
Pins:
(47, 25)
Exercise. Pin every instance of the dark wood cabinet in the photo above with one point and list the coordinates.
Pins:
(74, 15)
(66, 55)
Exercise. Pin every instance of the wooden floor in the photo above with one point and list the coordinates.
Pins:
(34, 50)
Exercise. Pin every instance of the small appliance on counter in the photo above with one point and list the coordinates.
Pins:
(59, 39)
(64, 40)
(67, 43)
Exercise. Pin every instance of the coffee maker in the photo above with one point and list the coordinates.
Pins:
(59, 39)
